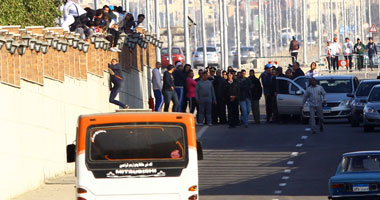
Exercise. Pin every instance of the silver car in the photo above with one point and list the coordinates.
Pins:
(290, 97)
(213, 57)
(371, 111)
(247, 55)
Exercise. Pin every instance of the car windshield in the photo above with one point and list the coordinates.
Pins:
(174, 51)
(362, 163)
(136, 143)
(375, 95)
(246, 49)
(336, 86)
(209, 49)
(365, 88)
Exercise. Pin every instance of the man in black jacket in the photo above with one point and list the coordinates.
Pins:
(257, 92)
(180, 82)
(220, 85)
(297, 71)
(232, 91)
(168, 90)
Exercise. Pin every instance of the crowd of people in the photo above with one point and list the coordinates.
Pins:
(110, 20)
(222, 97)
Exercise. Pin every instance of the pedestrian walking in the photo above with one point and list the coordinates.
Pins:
(273, 94)
(293, 49)
(337, 49)
(313, 70)
(315, 95)
(359, 50)
(372, 52)
(205, 95)
(329, 55)
(116, 79)
(180, 82)
(232, 91)
(168, 90)
(348, 48)
(266, 80)
(157, 87)
(190, 93)
(245, 97)
(297, 71)
(220, 85)
(256, 92)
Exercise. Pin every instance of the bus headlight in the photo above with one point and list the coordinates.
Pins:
(193, 197)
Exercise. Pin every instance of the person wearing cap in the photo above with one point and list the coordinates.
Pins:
(266, 80)
(231, 92)
(337, 49)
(348, 48)
(359, 49)
(372, 52)
(180, 82)
(329, 55)
(293, 49)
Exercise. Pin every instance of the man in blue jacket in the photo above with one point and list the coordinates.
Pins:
(372, 52)
(266, 80)
(117, 80)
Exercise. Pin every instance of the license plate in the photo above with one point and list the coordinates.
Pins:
(326, 110)
(360, 188)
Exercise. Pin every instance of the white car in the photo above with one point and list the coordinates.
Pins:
(213, 57)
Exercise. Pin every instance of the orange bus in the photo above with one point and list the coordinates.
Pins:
(136, 155)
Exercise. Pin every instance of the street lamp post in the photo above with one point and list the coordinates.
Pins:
(260, 30)
(221, 32)
(304, 32)
(157, 28)
(225, 29)
(319, 32)
(204, 41)
(186, 29)
(247, 40)
(169, 33)
(331, 21)
(238, 33)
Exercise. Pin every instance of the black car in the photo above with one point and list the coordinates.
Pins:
(360, 100)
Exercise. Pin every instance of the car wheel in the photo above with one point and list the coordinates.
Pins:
(368, 128)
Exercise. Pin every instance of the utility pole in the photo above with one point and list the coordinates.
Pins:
(157, 28)
(204, 34)
(331, 21)
(279, 18)
(247, 39)
(186, 29)
(288, 26)
(355, 21)
(344, 20)
(296, 15)
(95, 2)
(147, 15)
(369, 15)
(304, 32)
(237, 12)
(261, 38)
(225, 28)
(319, 32)
(221, 32)
(169, 32)
(127, 6)
(270, 27)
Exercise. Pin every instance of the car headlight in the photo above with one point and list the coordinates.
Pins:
(344, 103)
(369, 109)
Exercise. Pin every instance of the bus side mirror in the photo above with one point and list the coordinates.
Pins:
(70, 153)
(199, 150)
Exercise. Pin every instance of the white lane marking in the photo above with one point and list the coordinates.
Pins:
(285, 178)
(288, 171)
(294, 154)
(290, 162)
(304, 137)
(307, 129)
(282, 184)
(203, 130)
(277, 192)
(299, 145)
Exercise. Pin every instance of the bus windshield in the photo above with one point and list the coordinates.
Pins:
(137, 142)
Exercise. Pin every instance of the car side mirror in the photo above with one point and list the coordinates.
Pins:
(350, 95)
(199, 150)
(299, 92)
(70, 153)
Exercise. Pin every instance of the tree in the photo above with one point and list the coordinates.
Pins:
(29, 12)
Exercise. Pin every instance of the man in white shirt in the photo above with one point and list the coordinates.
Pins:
(329, 55)
(157, 87)
(348, 48)
(71, 10)
(337, 49)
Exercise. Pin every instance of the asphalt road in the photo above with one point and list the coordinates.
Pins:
(276, 161)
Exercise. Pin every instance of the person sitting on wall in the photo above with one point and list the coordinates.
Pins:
(117, 80)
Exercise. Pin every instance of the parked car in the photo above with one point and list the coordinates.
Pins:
(213, 57)
(371, 111)
(177, 55)
(290, 101)
(246, 55)
(357, 176)
(232, 51)
(359, 100)
(337, 88)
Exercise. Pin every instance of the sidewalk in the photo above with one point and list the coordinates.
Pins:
(61, 188)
